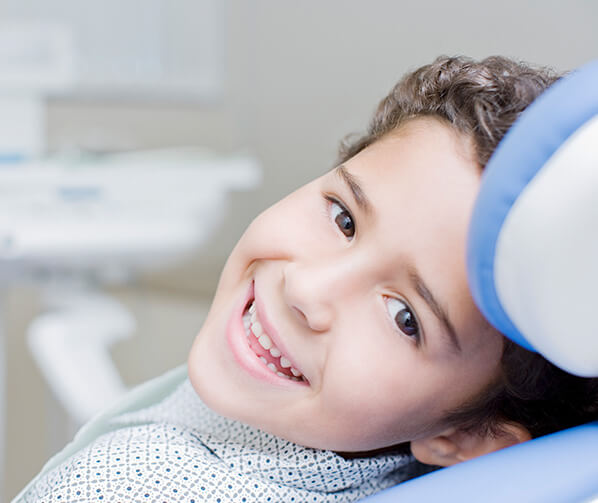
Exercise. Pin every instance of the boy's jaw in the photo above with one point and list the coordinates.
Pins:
(256, 345)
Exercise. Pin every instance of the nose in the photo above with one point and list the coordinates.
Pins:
(314, 292)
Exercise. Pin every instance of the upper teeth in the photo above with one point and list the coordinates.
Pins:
(256, 327)
(253, 325)
(265, 341)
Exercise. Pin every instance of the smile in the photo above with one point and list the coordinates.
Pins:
(256, 347)
(263, 347)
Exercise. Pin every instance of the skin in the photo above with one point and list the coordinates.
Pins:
(330, 298)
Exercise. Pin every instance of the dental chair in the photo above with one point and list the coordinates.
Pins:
(533, 259)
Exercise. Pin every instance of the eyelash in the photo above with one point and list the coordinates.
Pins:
(414, 322)
(343, 209)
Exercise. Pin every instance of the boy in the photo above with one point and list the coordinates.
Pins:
(342, 329)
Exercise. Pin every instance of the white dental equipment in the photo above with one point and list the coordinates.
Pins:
(71, 225)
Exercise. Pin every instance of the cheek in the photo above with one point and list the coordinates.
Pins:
(386, 406)
(392, 392)
(292, 227)
(482, 347)
(380, 387)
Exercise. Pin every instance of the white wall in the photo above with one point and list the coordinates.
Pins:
(299, 76)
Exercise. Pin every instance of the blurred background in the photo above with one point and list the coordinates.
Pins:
(138, 138)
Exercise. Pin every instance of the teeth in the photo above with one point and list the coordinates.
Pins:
(252, 325)
(256, 328)
(265, 341)
(274, 370)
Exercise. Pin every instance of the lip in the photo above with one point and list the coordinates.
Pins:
(243, 354)
(271, 330)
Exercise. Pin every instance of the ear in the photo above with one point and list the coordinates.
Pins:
(453, 446)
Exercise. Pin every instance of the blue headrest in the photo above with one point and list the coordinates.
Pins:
(532, 254)
(557, 468)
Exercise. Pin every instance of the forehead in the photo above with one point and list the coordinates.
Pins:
(424, 168)
(423, 144)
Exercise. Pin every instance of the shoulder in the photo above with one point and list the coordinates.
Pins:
(153, 461)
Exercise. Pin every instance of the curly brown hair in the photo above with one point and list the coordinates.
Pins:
(482, 99)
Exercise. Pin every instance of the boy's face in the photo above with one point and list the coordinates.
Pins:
(343, 273)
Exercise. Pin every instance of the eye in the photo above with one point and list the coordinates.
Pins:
(404, 318)
(342, 218)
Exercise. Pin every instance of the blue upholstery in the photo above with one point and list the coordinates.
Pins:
(523, 153)
(557, 468)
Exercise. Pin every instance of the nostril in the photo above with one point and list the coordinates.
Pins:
(306, 297)
(318, 320)
(300, 315)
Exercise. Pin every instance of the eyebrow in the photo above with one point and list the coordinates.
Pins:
(426, 294)
(358, 194)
